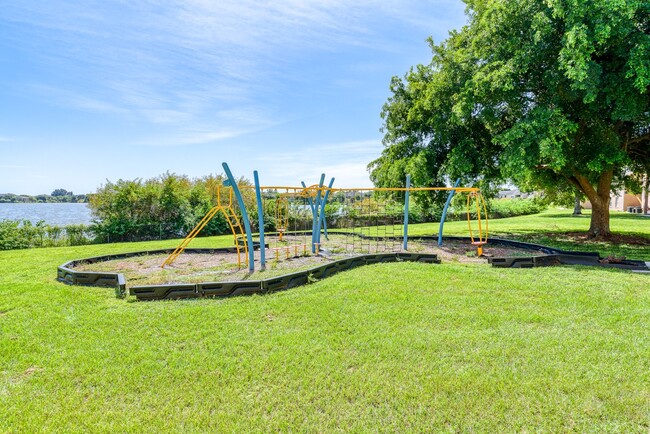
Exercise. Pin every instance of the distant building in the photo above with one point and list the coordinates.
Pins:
(624, 201)
(512, 194)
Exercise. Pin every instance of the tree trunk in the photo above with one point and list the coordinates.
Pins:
(577, 206)
(599, 227)
(646, 187)
(599, 198)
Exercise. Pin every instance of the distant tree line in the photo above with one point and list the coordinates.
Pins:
(59, 195)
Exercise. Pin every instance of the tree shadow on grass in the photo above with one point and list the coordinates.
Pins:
(631, 246)
(587, 216)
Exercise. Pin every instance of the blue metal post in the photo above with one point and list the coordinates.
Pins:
(260, 220)
(311, 202)
(444, 212)
(325, 228)
(313, 210)
(315, 227)
(406, 212)
(244, 215)
(321, 222)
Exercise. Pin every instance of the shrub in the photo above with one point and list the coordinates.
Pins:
(77, 235)
(15, 234)
(502, 208)
(11, 236)
(168, 206)
(496, 208)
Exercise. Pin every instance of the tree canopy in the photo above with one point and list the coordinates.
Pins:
(549, 94)
(61, 192)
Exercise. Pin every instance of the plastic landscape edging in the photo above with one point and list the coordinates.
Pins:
(278, 283)
(552, 256)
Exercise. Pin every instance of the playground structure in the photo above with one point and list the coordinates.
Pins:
(228, 211)
(481, 209)
(373, 220)
(366, 226)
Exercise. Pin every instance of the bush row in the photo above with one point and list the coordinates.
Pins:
(496, 208)
(168, 206)
(502, 208)
(15, 234)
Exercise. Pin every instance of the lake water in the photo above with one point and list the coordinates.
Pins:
(59, 214)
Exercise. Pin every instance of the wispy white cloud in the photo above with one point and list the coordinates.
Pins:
(345, 161)
(177, 61)
(227, 124)
(190, 138)
(69, 98)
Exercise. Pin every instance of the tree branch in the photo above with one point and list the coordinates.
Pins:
(586, 187)
(638, 139)
(575, 182)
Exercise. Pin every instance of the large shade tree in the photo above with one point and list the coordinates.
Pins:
(551, 94)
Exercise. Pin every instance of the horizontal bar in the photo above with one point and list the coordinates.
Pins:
(314, 188)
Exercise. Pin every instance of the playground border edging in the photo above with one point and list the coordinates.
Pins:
(278, 283)
(66, 273)
(552, 256)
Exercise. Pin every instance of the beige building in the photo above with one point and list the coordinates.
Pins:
(623, 201)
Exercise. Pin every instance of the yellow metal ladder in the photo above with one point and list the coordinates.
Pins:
(233, 222)
(238, 233)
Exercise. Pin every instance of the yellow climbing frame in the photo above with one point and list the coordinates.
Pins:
(281, 215)
(476, 200)
(233, 222)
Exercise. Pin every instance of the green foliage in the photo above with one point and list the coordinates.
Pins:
(11, 237)
(496, 208)
(502, 208)
(16, 234)
(77, 235)
(549, 94)
(168, 206)
(61, 192)
(420, 213)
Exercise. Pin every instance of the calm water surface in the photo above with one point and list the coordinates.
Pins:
(59, 214)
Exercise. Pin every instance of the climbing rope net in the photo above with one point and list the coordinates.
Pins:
(371, 223)
(289, 219)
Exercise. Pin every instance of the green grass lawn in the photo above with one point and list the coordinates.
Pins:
(398, 347)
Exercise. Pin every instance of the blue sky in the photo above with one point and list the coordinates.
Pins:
(96, 90)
